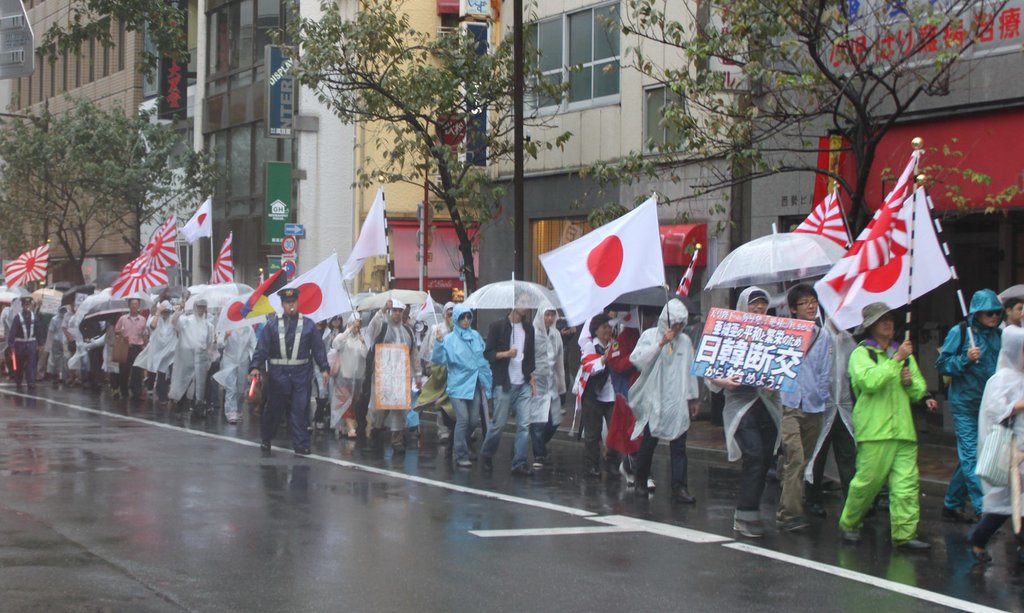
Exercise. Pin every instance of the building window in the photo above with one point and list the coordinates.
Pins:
(92, 61)
(78, 67)
(121, 36)
(549, 234)
(150, 80)
(64, 72)
(53, 77)
(106, 62)
(581, 48)
(658, 136)
(41, 75)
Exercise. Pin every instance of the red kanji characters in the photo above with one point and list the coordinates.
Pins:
(983, 27)
(929, 38)
(1009, 23)
(953, 34)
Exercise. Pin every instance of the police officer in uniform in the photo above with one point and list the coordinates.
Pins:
(23, 338)
(288, 345)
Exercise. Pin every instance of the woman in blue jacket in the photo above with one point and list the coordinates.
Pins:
(969, 368)
(469, 378)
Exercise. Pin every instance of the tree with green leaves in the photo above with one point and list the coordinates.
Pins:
(759, 81)
(411, 89)
(95, 20)
(90, 173)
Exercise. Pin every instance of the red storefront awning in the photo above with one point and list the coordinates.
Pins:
(445, 258)
(987, 142)
(676, 240)
(447, 7)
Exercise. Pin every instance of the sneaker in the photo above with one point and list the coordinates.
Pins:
(851, 536)
(486, 463)
(650, 484)
(793, 525)
(265, 446)
(464, 464)
(521, 471)
(641, 490)
(751, 529)
(957, 516)
(626, 474)
(302, 451)
(538, 463)
(914, 545)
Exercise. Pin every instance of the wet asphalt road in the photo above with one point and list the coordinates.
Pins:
(118, 506)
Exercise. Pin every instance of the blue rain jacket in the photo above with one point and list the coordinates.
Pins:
(462, 352)
(968, 378)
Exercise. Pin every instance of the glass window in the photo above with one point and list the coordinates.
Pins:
(267, 18)
(92, 61)
(121, 36)
(245, 34)
(266, 151)
(150, 81)
(589, 56)
(240, 168)
(656, 133)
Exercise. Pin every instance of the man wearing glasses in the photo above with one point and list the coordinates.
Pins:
(968, 366)
(803, 409)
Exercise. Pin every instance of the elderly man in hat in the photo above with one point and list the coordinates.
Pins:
(388, 327)
(192, 355)
(885, 380)
(287, 347)
(23, 338)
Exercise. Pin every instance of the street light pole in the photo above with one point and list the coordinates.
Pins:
(517, 141)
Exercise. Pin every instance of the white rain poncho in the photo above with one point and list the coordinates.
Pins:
(549, 374)
(158, 354)
(840, 394)
(192, 354)
(347, 358)
(236, 353)
(740, 400)
(380, 327)
(1004, 389)
(660, 396)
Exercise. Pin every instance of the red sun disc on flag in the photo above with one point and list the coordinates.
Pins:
(235, 311)
(202, 218)
(605, 261)
(881, 279)
(310, 298)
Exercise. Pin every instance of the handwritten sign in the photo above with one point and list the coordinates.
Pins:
(392, 377)
(761, 350)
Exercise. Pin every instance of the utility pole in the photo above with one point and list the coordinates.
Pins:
(517, 141)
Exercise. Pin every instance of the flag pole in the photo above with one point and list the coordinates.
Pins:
(212, 261)
(842, 216)
(917, 143)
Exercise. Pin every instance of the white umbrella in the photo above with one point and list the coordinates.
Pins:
(776, 258)
(217, 296)
(10, 294)
(509, 294)
(405, 296)
(1014, 291)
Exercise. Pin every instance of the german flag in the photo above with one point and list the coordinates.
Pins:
(258, 304)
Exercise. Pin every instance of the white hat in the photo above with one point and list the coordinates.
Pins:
(397, 304)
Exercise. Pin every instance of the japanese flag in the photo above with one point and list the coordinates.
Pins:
(595, 269)
(200, 225)
(321, 293)
(890, 283)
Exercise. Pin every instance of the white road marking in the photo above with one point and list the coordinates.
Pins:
(377, 471)
(677, 532)
(892, 586)
(550, 531)
(616, 523)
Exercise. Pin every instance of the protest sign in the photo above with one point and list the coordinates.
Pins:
(760, 350)
(392, 377)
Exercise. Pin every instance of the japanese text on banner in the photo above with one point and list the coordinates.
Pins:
(758, 350)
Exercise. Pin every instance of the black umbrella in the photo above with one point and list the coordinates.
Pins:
(656, 296)
(69, 296)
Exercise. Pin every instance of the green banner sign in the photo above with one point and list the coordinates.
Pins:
(278, 201)
(273, 264)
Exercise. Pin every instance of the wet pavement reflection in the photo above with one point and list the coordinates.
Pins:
(135, 514)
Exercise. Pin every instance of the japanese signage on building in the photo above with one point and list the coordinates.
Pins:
(173, 77)
(880, 30)
(759, 350)
(278, 201)
(280, 103)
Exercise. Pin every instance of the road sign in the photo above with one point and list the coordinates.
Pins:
(295, 229)
(289, 244)
(289, 268)
(17, 44)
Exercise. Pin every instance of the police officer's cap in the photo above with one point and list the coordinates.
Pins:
(289, 294)
(27, 300)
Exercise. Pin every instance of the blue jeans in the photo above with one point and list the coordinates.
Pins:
(504, 401)
(467, 418)
(964, 482)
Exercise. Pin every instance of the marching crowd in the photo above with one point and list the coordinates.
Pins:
(633, 388)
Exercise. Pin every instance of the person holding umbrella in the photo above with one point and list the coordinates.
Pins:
(23, 337)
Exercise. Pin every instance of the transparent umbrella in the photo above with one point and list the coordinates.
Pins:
(217, 296)
(405, 296)
(1014, 291)
(509, 294)
(776, 258)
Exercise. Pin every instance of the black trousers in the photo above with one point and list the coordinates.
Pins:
(845, 448)
(982, 533)
(594, 412)
(755, 435)
(677, 457)
(128, 374)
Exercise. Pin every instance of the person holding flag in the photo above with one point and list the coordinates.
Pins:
(287, 348)
(192, 356)
(885, 380)
(969, 358)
